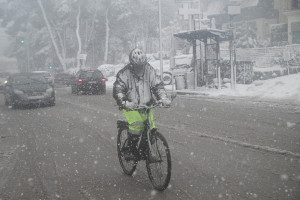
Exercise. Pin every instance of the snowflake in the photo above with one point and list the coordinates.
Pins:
(153, 192)
(284, 177)
(290, 124)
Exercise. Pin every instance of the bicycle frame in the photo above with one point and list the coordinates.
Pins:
(147, 128)
(147, 125)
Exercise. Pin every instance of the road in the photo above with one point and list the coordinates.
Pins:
(221, 149)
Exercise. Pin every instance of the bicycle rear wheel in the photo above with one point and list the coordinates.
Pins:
(128, 166)
(159, 170)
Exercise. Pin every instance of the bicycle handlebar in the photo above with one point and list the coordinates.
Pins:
(156, 105)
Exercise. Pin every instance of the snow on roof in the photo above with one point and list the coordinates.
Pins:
(249, 3)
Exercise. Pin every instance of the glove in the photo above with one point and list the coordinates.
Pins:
(129, 105)
(165, 102)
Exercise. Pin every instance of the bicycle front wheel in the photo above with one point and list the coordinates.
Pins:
(158, 162)
(128, 166)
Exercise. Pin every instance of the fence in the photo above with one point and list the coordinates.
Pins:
(265, 57)
(267, 62)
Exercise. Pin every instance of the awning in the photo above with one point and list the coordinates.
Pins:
(203, 34)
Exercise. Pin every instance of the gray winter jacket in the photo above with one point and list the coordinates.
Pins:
(130, 87)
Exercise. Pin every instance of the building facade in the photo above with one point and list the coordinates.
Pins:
(260, 22)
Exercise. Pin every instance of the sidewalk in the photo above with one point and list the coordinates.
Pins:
(243, 92)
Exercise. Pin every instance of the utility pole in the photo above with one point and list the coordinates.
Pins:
(160, 45)
(231, 55)
(233, 10)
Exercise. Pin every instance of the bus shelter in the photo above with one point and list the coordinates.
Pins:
(206, 53)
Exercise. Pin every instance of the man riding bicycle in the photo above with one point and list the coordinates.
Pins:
(137, 85)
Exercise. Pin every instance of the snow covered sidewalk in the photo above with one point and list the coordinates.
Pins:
(284, 88)
(279, 89)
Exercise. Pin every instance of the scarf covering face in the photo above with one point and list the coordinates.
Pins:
(138, 89)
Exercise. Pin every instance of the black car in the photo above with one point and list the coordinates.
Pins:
(89, 81)
(62, 78)
(28, 88)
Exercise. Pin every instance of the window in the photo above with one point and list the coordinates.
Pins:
(295, 4)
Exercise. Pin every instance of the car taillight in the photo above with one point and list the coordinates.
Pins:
(103, 80)
(80, 80)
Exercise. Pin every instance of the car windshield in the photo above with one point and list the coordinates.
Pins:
(35, 78)
(90, 74)
(29, 79)
(46, 75)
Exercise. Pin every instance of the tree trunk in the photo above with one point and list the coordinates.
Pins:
(58, 54)
(62, 46)
(106, 37)
(78, 38)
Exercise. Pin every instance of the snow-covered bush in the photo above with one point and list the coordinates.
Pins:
(109, 70)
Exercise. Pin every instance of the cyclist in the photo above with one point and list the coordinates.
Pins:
(137, 84)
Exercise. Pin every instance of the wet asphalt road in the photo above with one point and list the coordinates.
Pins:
(221, 149)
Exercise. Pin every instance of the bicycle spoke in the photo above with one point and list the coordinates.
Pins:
(128, 166)
(159, 171)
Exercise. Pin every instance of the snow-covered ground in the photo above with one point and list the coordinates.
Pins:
(280, 88)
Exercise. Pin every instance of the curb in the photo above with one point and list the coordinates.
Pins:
(190, 93)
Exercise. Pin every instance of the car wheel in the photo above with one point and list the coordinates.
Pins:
(73, 90)
(5, 101)
(52, 103)
(14, 105)
(167, 78)
(103, 91)
(10, 103)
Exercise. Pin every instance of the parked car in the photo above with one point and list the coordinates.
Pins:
(3, 79)
(63, 79)
(89, 81)
(46, 74)
(28, 88)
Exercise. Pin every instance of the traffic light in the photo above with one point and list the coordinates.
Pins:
(22, 41)
(50, 67)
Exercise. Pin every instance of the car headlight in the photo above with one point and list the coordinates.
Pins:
(49, 90)
(19, 92)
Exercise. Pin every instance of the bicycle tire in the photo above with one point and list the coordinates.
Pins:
(127, 166)
(165, 156)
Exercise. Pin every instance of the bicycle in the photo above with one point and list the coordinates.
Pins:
(151, 144)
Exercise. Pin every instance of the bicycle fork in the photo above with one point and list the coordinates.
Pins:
(148, 127)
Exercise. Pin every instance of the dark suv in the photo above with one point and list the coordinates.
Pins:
(89, 81)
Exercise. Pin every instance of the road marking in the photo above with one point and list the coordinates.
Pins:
(240, 143)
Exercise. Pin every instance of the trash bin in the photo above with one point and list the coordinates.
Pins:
(190, 80)
(179, 82)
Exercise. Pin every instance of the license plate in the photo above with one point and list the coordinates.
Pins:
(36, 94)
(35, 97)
(92, 82)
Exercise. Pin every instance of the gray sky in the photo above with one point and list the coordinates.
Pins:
(3, 41)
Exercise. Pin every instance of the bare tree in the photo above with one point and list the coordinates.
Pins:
(106, 36)
(59, 55)
(78, 36)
